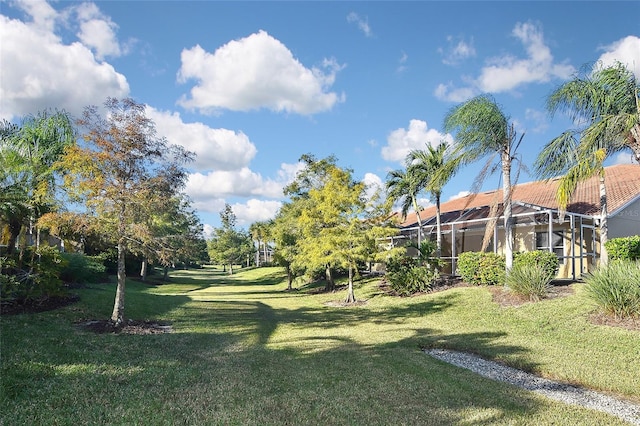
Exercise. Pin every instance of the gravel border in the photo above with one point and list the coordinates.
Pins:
(568, 394)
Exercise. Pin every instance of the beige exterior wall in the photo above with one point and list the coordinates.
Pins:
(625, 223)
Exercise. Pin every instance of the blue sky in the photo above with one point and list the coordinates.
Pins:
(251, 86)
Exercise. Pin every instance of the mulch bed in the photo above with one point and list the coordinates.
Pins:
(600, 318)
(505, 298)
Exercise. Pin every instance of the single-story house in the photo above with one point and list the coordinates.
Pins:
(538, 224)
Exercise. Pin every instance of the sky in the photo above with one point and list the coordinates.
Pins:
(249, 87)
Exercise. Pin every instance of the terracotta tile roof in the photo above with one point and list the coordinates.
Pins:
(622, 182)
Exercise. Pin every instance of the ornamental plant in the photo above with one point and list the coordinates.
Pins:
(481, 268)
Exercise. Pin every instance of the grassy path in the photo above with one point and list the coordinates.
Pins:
(245, 351)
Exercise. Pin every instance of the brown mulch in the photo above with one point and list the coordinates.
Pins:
(600, 318)
(505, 298)
(339, 304)
(130, 327)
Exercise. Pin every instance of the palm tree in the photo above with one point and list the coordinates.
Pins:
(433, 166)
(405, 186)
(28, 153)
(605, 106)
(482, 129)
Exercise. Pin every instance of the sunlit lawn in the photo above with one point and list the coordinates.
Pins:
(245, 351)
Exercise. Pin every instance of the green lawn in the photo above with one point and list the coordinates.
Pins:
(245, 351)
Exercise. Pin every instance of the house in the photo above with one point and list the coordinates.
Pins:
(538, 224)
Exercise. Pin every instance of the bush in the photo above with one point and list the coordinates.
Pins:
(35, 279)
(530, 280)
(615, 288)
(481, 268)
(82, 269)
(546, 260)
(627, 248)
(407, 275)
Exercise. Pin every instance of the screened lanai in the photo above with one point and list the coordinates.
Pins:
(572, 237)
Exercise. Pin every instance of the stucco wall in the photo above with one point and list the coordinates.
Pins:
(626, 222)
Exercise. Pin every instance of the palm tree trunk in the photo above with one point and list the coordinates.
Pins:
(604, 225)
(417, 210)
(438, 228)
(635, 142)
(506, 202)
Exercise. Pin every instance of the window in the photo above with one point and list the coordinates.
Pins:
(557, 241)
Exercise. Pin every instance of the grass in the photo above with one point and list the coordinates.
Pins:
(245, 351)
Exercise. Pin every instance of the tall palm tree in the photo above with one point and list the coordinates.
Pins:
(605, 106)
(435, 169)
(482, 129)
(404, 186)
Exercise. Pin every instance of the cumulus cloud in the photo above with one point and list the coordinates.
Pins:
(255, 210)
(459, 195)
(256, 72)
(208, 190)
(361, 23)
(40, 71)
(457, 50)
(97, 31)
(374, 185)
(506, 73)
(401, 141)
(626, 50)
(215, 149)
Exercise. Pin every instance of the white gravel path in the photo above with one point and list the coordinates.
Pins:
(568, 394)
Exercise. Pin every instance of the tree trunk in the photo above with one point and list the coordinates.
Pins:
(143, 269)
(351, 297)
(231, 268)
(117, 317)
(417, 209)
(165, 275)
(289, 278)
(506, 202)
(604, 225)
(438, 228)
(14, 232)
(331, 285)
(634, 143)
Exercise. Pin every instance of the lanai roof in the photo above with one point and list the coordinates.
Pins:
(622, 183)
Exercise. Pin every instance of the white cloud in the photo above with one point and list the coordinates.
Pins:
(538, 119)
(256, 72)
(401, 63)
(97, 31)
(459, 195)
(216, 149)
(374, 185)
(401, 141)
(207, 230)
(457, 50)
(448, 92)
(208, 190)
(625, 157)
(238, 183)
(627, 51)
(255, 210)
(39, 71)
(506, 73)
(362, 23)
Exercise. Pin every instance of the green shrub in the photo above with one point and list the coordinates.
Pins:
(627, 248)
(407, 275)
(80, 268)
(546, 260)
(615, 288)
(481, 268)
(35, 279)
(530, 280)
